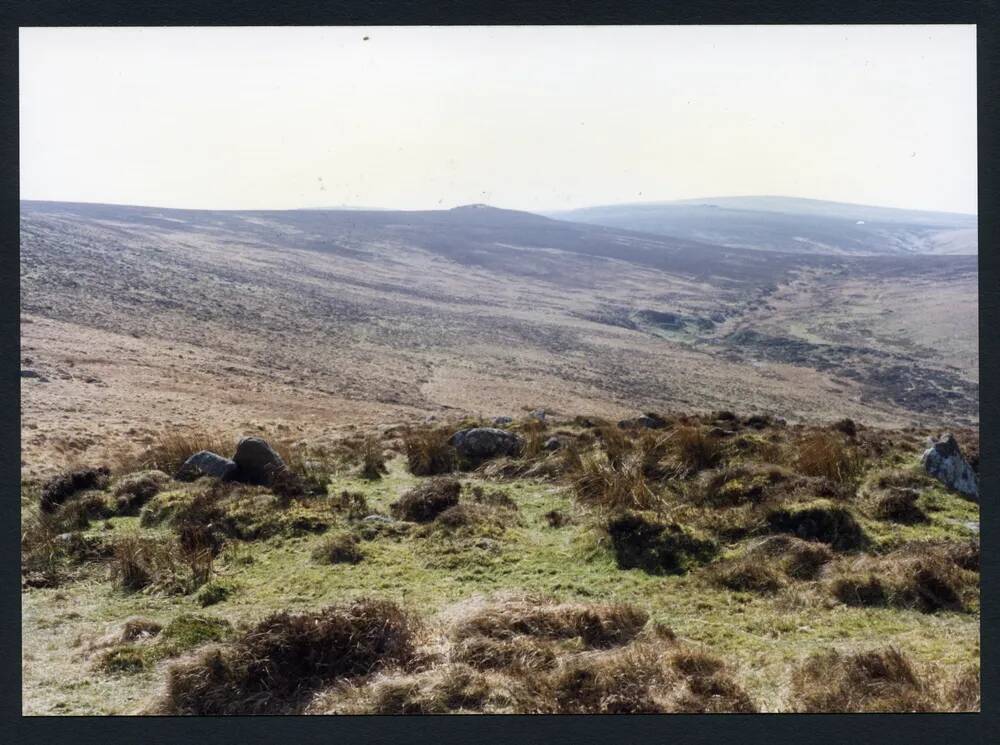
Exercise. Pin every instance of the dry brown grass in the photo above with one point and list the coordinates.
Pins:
(695, 450)
(42, 555)
(646, 678)
(444, 689)
(609, 484)
(641, 678)
(168, 565)
(169, 452)
(471, 519)
(540, 618)
(767, 565)
(428, 451)
(827, 455)
(308, 470)
(614, 442)
(557, 518)
(198, 547)
(139, 628)
(523, 655)
(879, 680)
(139, 560)
(534, 433)
(963, 554)
(962, 689)
(746, 574)
(519, 654)
(275, 666)
(795, 558)
(928, 580)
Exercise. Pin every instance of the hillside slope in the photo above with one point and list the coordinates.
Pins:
(136, 320)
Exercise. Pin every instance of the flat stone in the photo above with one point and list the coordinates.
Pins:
(206, 463)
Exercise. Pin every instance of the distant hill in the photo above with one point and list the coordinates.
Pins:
(774, 223)
(473, 235)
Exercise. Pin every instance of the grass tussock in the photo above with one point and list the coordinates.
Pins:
(533, 431)
(827, 455)
(524, 655)
(65, 485)
(641, 540)
(135, 629)
(134, 490)
(736, 485)
(746, 574)
(928, 580)
(493, 498)
(143, 643)
(338, 548)
(472, 519)
(275, 666)
(43, 556)
(520, 654)
(307, 473)
(429, 452)
(607, 483)
(795, 558)
(615, 444)
(445, 689)
(820, 520)
(879, 680)
(696, 450)
(597, 626)
(898, 506)
(373, 465)
(240, 511)
(768, 565)
(557, 518)
(168, 565)
(214, 593)
(640, 679)
(138, 560)
(426, 501)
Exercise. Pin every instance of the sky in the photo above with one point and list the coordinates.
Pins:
(533, 118)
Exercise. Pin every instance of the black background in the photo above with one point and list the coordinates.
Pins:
(942, 729)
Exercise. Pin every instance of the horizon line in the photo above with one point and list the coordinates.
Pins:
(541, 212)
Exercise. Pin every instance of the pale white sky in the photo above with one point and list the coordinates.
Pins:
(531, 118)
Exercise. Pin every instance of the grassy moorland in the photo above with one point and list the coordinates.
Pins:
(715, 563)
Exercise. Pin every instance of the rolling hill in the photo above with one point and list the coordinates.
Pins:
(794, 225)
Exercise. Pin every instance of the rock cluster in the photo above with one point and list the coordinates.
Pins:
(255, 462)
